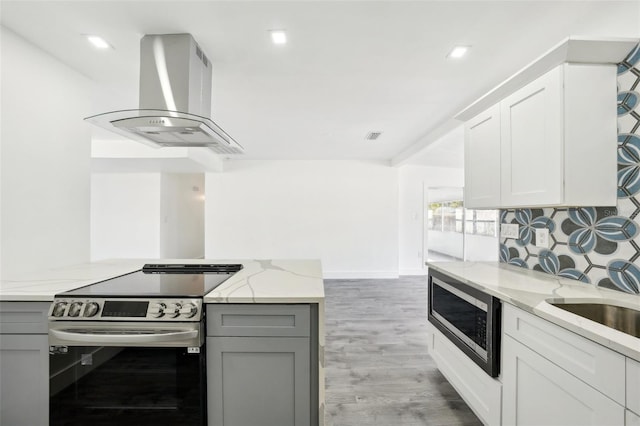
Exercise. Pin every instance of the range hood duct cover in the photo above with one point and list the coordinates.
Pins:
(175, 99)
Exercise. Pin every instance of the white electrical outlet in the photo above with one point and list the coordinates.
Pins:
(509, 230)
(542, 237)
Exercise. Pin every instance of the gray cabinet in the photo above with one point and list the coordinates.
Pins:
(258, 381)
(24, 364)
(259, 365)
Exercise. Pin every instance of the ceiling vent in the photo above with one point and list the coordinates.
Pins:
(372, 136)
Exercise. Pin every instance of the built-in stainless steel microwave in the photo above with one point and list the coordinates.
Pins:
(468, 317)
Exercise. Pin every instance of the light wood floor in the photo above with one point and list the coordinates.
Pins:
(377, 368)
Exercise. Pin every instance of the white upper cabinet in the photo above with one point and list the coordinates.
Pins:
(531, 148)
(556, 144)
(548, 135)
(482, 173)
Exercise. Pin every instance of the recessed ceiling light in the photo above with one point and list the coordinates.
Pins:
(98, 42)
(458, 52)
(278, 36)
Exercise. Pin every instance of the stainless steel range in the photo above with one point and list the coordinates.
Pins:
(131, 349)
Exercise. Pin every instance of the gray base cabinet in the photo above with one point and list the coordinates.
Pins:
(259, 365)
(24, 364)
(258, 381)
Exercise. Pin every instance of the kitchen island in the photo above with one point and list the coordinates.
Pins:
(278, 286)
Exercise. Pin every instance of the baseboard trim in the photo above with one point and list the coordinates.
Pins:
(359, 274)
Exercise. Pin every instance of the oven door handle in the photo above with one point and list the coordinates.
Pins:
(132, 337)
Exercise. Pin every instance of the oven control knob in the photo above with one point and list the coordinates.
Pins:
(58, 309)
(173, 310)
(157, 310)
(188, 310)
(74, 309)
(91, 309)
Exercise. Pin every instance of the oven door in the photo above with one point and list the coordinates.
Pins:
(94, 380)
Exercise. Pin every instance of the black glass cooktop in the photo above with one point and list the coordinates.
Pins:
(162, 280)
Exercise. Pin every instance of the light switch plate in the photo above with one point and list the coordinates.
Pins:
(542, 237)
(509, 230)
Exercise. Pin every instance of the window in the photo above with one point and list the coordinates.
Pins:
(451, 216)
(482, 222)
(445, 216)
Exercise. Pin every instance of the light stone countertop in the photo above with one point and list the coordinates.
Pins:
(531, 291)
(272, 281)
(260, 281)
(43, 286)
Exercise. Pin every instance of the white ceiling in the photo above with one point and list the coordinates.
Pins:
(349, 67)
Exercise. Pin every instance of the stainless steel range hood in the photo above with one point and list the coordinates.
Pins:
(175, 99)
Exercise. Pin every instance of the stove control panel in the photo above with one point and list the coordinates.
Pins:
(125, 309)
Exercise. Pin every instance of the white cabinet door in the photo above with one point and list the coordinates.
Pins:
(596, 365)
(632, 419)
(590, 136)
(538, 392)
(633, 385)
(532, 143)
(482, 160)
(480, 391)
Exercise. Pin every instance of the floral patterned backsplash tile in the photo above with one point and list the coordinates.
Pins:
(596, 245)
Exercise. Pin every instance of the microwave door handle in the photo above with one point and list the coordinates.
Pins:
(117, 338)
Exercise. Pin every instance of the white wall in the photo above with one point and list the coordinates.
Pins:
(481, 248)
(45, 160)
(342, 212)
(411, 204)
(125, 215)
(182, 215)
(147, 215)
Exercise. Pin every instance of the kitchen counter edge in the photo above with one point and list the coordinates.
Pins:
(260, 281)
(532, 290)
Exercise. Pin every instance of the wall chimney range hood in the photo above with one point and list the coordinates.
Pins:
(175, 99)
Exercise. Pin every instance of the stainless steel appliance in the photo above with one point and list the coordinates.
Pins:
(468, 317)
(130, 350)
(174, 99)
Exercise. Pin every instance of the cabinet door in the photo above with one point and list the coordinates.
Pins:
(482, 160)
(632, 419)
(481, 392)
(258, 320)
(538, 392)
(596, 365)
(24, 380)
(633, 385)
(532, 153)
(258, 381)
(24, 317)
